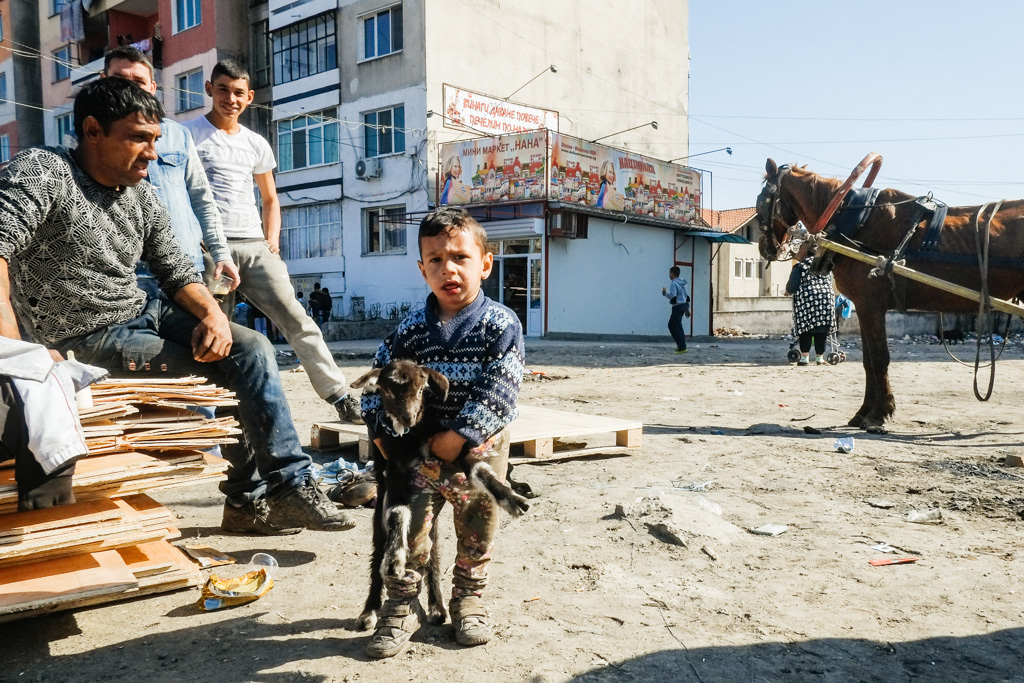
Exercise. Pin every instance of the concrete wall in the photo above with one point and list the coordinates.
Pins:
(610, 283)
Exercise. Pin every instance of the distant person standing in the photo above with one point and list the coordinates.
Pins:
(679, 299)
(315, 303)
(326, 305)
(234, 157)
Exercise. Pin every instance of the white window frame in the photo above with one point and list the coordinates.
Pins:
(397, 132)
(62, 64)
(183, 92)
(196, 6)
(68, 121)
(320, 132)
(748, 269)
(306, 48)
(382, 235)
(311, 231)
(737, 269)
(374, 17)
(5, 148)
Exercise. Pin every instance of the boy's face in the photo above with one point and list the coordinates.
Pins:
(230, 95)
(453, 268)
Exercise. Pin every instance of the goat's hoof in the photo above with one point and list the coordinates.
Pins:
(367, 621)
(437, 615)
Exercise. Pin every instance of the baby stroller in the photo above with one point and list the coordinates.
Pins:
(834, 355)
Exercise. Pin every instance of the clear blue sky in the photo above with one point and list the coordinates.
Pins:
(937, 88)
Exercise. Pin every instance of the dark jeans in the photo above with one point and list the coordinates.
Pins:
(675, 326)
(269, 460)
(820, 335)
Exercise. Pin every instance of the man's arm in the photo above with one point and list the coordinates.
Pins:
(205, 208)
(271, 210)
(8, 320)
(211, 338)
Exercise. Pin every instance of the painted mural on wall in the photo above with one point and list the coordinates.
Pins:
(561, 168)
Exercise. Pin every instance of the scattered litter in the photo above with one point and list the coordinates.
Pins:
(533, 599)
(696, 485)
(783, 405)
(933, 516)
(898, 560)
(219, 593)
(339, 471)
(709, 552)
(811, 430)
(880, 503)
(717, 432)
(205, 555)
(736, 392)
(884, 548)
(843, 444)
(668, 398)
(705, 504)
(297, 368)
(770, 530)
(801, 419)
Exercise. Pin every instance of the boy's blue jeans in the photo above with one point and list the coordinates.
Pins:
(269, 460)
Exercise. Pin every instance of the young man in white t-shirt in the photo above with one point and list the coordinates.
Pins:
(234, 157)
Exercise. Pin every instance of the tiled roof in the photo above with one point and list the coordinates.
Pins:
(729, 220)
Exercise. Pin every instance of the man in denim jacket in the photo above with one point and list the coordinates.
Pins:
(178, 178)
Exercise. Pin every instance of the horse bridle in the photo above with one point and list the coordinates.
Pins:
(769, 206)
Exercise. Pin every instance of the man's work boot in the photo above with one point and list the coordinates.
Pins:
(252, 518)
(399, 619)
(469, 617)
(307, 507)
(348, 410)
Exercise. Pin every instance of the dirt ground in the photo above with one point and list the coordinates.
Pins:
(580, 592)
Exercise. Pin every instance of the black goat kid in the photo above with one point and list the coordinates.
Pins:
(404, 387)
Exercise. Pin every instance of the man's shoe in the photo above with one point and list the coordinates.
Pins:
(348, 410)
(399, 619)
(253, 518)
(678, 351)
(469, 617)
(307, 507)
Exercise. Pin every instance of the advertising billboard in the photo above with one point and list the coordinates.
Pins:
(615, 180)
(501, 169)
(543, 164)
(483, 114)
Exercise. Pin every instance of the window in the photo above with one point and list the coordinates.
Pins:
(1, 26)
(57, 5)
(65, 127)
(384, 230)
(307, 141)
(261, 50)
(3, 87)
(311, 231)
(62, 64)
(382, 33)
(384, 132)
(5, 148)
(737, 268)
(306, 48)
(190, 90)
(187, 13)
(748, 269)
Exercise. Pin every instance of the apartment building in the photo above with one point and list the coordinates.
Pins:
(21, 121)
(351, 94)
(183, 38)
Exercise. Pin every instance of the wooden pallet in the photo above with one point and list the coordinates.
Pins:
(539, 432)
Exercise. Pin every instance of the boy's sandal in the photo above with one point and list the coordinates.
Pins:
(469, 617)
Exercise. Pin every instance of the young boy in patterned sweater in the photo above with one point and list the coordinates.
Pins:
(478, 345)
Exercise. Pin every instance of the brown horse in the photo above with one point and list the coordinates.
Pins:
(796, 194)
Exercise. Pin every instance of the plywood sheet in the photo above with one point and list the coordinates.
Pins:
(47, 584)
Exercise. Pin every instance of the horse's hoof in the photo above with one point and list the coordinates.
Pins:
(856, 421)
(875, 429)
(367, 621)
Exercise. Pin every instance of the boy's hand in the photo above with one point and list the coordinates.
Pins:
(446, 445)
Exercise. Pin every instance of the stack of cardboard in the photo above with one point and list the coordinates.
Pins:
(114, 542)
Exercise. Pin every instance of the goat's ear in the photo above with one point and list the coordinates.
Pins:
(369, 380)
(437, 382)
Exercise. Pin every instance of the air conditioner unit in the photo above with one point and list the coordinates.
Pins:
(568, 225)
(367, 168)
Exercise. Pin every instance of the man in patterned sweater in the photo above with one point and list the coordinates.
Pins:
(478, 345)
(72, 226)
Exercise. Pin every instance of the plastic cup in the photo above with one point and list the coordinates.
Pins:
(263, 561)
(221, 287)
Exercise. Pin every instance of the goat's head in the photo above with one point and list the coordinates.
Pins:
(402, 386)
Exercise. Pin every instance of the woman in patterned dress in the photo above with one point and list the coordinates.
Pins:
(814, 314)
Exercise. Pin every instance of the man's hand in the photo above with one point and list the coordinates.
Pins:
(663, 291)
(55, 355)
(231, 270)
(211, 338)
(446, 445)
(274, 247)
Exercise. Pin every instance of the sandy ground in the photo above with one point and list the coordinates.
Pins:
(581, 593)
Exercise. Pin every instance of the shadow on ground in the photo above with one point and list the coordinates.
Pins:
(989, 658)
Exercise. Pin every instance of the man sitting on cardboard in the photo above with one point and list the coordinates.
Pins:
(73, 223)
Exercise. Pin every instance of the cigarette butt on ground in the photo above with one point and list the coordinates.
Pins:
(533, 599)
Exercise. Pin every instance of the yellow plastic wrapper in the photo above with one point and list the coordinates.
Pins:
(219, 593)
